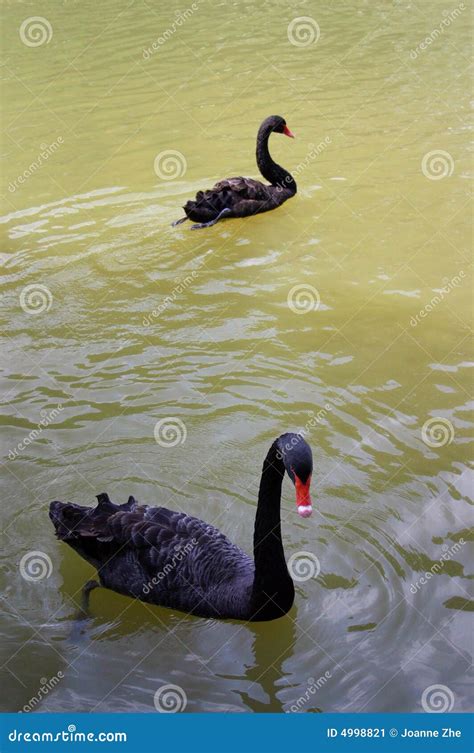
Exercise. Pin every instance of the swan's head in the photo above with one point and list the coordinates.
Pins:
(278, 125)
(297, 458)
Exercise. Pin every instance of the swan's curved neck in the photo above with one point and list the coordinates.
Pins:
(272, 584)
(275, 174)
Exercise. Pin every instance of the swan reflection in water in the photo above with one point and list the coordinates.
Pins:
(264, 685)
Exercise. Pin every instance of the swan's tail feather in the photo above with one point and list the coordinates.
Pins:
(200, 211)
(85, 528)
(69, 520)
(207, 205)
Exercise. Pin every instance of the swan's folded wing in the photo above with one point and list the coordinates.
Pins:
(247, 188)
(175, 550)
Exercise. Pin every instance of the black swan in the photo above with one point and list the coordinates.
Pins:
(241, 197)
(174, 560)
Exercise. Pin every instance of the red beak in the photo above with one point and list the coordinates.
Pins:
(287, 132)
(303, 498)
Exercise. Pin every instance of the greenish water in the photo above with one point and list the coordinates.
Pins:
(135, 321)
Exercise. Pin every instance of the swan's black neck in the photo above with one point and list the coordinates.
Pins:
(275, 174)
(273, 590)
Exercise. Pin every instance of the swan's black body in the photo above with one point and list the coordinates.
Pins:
(174, 560)
(241, 197)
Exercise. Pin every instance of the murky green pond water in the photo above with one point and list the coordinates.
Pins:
(116, 320)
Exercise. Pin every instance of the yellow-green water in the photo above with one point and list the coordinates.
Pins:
(136, 321)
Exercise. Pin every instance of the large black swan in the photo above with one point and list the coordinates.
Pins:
(241, 197)
(174, 560)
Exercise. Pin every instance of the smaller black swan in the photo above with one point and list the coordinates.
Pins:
(241, 197)
(174, 560)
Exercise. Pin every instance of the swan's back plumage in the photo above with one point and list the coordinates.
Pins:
(247, 188)
(158, 555)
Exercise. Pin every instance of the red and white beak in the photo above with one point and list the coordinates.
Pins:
(303, 497)
(287, 132)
